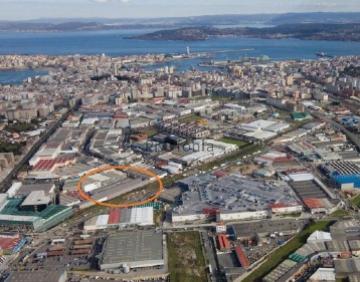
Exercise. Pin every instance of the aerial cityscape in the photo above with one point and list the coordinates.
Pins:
(184, 141)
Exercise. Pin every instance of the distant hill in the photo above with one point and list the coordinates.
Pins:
(69, 26)
(344, 32)
(78, 24)
(227, 19)
(297, 18)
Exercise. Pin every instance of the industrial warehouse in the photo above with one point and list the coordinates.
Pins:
(345, 174)
(232, 197)
(121, 218)
(32, 212)
(259, 130)
(103, 186)
(137, 249)
(337, 246)
(314, 194)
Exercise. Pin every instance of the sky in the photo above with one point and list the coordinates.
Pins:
(34, 9)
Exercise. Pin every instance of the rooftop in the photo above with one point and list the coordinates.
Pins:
(36, 276)
(133, 247)
(26, 189)
(12, 208)
(268, 226)
(36, 198)
(232, 193)
(324, 274)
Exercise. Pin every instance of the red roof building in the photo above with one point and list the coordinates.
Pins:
(241, 256)
(8, 242)
(223, 242)
(114, 216)
(52, 164)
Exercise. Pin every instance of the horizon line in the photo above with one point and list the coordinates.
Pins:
(179, 17)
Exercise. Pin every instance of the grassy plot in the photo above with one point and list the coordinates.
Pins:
(239, 143)
(356, 201)
(283, 252)
(340, 213)
(186, 260)
(190, 118)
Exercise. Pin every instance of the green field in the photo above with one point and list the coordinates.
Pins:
(186, 259)
(356, 201)
(283, 252)
(190, 118)
(239, 143)
(340, 213)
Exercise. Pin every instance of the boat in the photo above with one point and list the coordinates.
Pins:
(323, 55)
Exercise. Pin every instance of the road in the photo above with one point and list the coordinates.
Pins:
(352, 137)
(6, 183)
(210, 254)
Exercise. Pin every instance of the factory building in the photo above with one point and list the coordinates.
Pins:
(60, 150)
(202, 151)
(107, 185)
(11, 243)
(259, 130)
(345, 174)
(323, 274)
(347, 268)
(316, 197)
(120, 218)
(133, 250)
(263, 228)
(232, 197)
(194, 153)
(341, 243)
(33, 211)
(22, 190)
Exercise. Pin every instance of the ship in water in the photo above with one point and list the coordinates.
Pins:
(323, 55)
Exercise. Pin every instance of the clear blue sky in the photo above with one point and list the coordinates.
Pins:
(30, 9)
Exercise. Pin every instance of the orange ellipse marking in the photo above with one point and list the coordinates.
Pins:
(138, 169)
